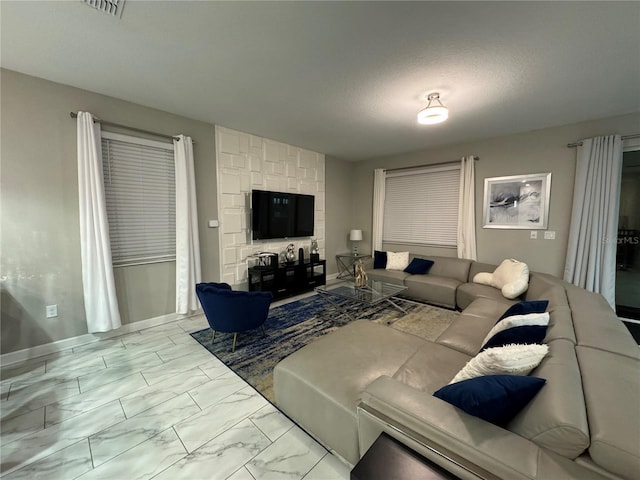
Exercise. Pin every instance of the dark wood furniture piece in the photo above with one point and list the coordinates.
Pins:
(288, 279)
(388, 459)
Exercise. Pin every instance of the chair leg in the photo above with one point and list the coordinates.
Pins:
(213, 335)
(233, 348)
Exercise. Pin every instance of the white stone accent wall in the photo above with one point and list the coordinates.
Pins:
(246, 162)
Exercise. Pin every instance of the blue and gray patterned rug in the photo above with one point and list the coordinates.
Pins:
(292, 326)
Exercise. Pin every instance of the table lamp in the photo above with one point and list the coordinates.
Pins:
(355, 236)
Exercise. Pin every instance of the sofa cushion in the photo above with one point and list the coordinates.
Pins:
(525, 334)
(612, 393)
(389, 276)
(432, 289)
(511, 277)
(523, 308)
(468, 292)
(419, 266)
(450, 267)
(431, 367)
(596, 324)
(556, 418)
(466, 333)
(379, 259)
(540, 283)
(560, 325)
(494, 398)
(509, 360)
(319, 386)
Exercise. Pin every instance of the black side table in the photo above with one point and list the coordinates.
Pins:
(346, 262)
(389, 459)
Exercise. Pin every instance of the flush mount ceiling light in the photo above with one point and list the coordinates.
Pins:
(434, 112)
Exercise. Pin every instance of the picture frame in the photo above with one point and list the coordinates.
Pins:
(517, 201)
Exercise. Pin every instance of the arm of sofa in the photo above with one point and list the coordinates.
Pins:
(445, 429)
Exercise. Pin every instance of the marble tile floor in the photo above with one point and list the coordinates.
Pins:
(149, 404)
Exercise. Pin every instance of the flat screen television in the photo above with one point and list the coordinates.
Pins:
(281, 215)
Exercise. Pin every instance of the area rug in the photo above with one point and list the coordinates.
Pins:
(293, 325)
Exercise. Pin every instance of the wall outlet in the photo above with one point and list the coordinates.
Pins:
(52, 311)
(549, 235)
(534, 235)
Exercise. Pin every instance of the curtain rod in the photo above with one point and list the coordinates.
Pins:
(133, 129)
(426, 166)
(624, 137)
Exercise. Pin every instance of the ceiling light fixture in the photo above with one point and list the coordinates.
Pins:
(434, 112)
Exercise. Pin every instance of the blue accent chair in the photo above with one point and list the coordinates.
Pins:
(233, 311)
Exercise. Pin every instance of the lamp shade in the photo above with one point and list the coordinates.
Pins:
(355, 235)
(432, 115)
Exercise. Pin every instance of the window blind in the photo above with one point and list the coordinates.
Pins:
(139, 179)
(421, 206)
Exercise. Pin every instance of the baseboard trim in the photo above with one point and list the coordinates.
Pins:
(64, 344)
(333, 276)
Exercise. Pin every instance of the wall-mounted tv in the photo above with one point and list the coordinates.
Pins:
(281, 215)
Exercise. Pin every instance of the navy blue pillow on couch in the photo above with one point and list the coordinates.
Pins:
(524, 334)
(419, 266)
(523, 308)
(379, 259)
(494, 398)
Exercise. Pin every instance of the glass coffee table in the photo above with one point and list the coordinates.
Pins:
(374, 293)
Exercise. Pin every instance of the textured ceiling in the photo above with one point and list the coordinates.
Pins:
(342, 78)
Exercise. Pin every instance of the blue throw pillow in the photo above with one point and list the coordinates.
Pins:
(494, 398)
(213, 286)
(379, 259)
(522, 308)
(524, 334)
(419, 266)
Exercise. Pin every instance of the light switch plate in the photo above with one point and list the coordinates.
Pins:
(549, 235)
(534, 234)
(214, 223)
(52, 311)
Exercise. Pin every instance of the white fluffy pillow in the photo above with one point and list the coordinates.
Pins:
(511, 277)
(507, 360)
(540, 319)
(397, 260)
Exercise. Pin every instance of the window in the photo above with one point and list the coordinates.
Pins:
(140, 192)
(421, 206)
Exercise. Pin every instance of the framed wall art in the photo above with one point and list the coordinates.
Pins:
(518, 201)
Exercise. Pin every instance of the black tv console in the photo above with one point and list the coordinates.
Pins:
(288, 279)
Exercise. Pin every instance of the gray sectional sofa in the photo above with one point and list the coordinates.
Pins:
(349, 386)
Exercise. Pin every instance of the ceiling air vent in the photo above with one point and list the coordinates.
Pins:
(112, 7)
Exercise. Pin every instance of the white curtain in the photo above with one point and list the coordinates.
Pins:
(100, 302)
(467, 210)
(591, 251)
(187, 242)
(379, 178)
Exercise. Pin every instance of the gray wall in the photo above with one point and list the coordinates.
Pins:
(39, 237)
(338, 209)
(39, 240)
(532, 152)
